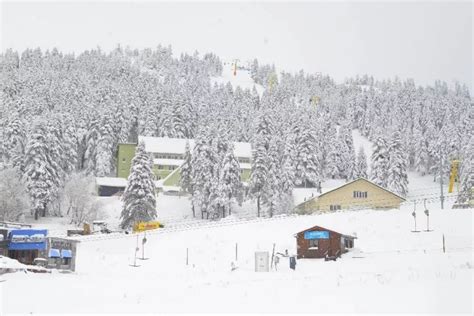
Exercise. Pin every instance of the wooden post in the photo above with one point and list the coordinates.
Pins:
(236, 247)
(187, 256)
(444, 245)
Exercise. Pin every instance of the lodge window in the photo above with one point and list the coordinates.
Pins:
(160, 167)
(348, 243)
(243, 160)
(66, 261)
(334, 207)
(360, 195)
(313, 243)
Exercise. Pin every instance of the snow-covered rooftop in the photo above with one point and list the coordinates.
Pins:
(301, 195)
(111, 182)
(118, 182)
(178, 145)
(168, 162)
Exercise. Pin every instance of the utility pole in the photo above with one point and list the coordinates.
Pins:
(135, 258)
(441, 179)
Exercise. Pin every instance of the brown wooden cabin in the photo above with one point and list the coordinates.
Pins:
(320, 242)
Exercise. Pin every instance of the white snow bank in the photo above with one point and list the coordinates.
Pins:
(8, 263)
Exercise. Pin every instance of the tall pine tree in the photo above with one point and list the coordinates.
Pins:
(139, 199)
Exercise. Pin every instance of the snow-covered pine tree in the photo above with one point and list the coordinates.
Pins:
(91, 143)
(139, 199)
(422, 157)
(185, 180)
(334, 159)
(254, 71)
(41, 171)
(260, 162)
(273, 187)
(230, 180)
(306, 162)
(466, 193)
(379, 162)
(205, 163)
(186, 171)
(307, 165)
(348, 154)
(259, 174)
(70, 148)
(361, 166)
(105, 148)
(14, 142)
(397, 178)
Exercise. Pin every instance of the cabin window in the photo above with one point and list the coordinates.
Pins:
(160, 167)
(360, 195)
(314, 244)
(348, 243)
(334, 207)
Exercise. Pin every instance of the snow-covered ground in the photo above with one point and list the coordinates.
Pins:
(389, 262)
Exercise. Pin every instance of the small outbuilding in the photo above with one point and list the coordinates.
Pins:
(320, 242)
(61, 253)
(25, 245)
(109, 186)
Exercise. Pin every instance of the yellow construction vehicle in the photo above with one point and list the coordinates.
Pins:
(143, 226)
(453, 175)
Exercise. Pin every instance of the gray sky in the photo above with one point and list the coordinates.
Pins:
(422, 40)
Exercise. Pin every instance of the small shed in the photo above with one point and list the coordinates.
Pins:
(25, 245)
(109, 186)
(61, 253)
(320, 242)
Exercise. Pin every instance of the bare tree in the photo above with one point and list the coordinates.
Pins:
(14, 200)
(79, 200)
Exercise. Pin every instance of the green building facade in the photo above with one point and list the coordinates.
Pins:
(171, 173)
(125, 154)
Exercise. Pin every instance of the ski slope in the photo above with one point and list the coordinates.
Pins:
(242, 79)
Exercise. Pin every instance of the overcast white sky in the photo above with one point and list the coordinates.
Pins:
(421, 40)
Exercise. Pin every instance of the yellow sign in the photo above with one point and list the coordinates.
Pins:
(142, 226)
